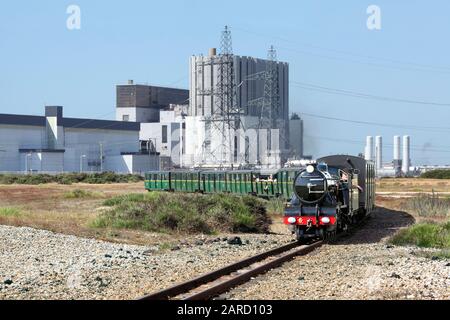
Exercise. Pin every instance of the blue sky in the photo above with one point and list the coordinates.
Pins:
(326, 43)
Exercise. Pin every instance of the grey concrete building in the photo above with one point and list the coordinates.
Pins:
(296, 136)
(208, 143)
(143, 103)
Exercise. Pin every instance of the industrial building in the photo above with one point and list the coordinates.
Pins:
(235, 115)
(53, 143)
(143, 103)
(238, 113)
(400, 166)
(167, 137)
(160, 112)
(296, 135)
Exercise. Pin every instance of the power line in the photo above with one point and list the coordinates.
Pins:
(415, 66)
(355, 94)
(362, 143)
(371, 64)
(402, 126)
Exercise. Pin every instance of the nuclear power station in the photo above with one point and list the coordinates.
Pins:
(235, 114)
(400, 166)
(238, 113)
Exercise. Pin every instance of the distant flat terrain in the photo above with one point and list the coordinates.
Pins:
(385, 186)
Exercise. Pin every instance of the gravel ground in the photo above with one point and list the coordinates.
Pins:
(361, 267)
(37, 264)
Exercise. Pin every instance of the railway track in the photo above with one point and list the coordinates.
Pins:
(213, 284)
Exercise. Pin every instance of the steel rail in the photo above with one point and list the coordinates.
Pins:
(280, 254)
(243, 276)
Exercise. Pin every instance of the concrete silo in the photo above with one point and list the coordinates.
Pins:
(369, 148)
(379, 152)
(406, 155)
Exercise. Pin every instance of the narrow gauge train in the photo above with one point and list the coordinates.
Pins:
(323, 198)
(330, 196)
(276, 185)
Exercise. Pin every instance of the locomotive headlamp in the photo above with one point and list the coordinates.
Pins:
(326, 220)
(310, 169)
(292, 220)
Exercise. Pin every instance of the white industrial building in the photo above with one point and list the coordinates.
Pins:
(160, 112)
(218, 137)
(52, 143)
(400, 166)
(167, 137)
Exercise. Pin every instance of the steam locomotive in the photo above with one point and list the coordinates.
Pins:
(330, 196)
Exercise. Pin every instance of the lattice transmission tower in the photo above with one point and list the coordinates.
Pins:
(225, 114)
(271, 102)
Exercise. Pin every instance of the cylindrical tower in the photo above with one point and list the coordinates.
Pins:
(397, 141)
(379, 152)
(406, 154)
(369, 148)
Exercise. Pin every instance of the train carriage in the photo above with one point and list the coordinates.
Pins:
(185, 181)
(240, 182)
(285, 182)
(208, 182)
(158, 181)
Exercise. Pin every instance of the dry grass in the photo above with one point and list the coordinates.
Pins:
(72, 210)
(59, 208)
(413, 185)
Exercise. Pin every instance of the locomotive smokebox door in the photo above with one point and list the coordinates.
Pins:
(310, 185)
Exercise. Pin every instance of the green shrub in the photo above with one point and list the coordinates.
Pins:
(126, 198)
(185, 213)
(69, 178)
(9, 212)
(82, 194)
(425, 235)
(436, 174)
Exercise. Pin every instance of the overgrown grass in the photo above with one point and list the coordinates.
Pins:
(443, 254)
(429, 205)
(69, 178)
(425, 235)
(9, 212)
(436, 174)
(276, 206)
(185, 213)
(83, 194)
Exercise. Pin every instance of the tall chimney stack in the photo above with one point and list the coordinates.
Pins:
(379, 152)
(369, 148)
(406, 155)
(397, 141)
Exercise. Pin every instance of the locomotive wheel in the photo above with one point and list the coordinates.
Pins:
(300, 238)
(330, 236)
